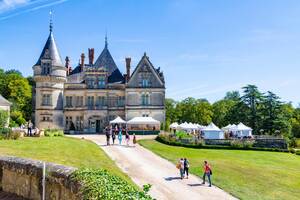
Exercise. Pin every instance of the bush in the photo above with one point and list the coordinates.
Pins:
(237, 144)
(7, 133)
(53, 132)
(292, 142)
(100, 184)
(183, 135)
(297, 152)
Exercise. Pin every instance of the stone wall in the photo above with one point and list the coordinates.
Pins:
(24, 178)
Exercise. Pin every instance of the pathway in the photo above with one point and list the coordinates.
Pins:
(144, 167)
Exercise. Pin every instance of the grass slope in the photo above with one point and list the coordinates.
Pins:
(61, 150)
(245, 174)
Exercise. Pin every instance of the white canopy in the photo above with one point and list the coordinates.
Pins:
(174, 125)
(118, 120)
(143, 120)
(242, 127)
(229, 127)
(211, 127)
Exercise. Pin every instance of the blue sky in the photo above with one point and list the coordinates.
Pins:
(205, 48)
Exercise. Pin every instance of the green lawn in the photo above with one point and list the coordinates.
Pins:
(61, 150)
(249, 175)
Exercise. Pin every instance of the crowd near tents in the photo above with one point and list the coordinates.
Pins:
(211, 131)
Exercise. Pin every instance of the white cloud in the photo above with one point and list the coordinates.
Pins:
(10, 4)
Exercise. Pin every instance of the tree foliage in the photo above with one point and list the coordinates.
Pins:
(265, 113)
(18, 90)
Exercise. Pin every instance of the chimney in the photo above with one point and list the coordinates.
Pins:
(82, 62)
(127, 60)
(67, 65)
(91, 56)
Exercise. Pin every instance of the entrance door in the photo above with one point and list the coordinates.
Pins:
(98, 126)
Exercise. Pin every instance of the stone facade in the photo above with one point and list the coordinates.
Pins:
(86, 98)
(23, 177)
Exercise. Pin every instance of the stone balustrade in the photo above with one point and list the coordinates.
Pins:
(23, 177)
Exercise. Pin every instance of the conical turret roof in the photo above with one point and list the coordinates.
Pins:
(50, 51)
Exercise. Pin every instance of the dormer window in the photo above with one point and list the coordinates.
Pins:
(145, 83)
(45, 68)
(101, 82)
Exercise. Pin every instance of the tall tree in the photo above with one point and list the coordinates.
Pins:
(252, 98)
(221, 110)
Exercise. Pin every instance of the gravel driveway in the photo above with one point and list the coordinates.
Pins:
(144, 167)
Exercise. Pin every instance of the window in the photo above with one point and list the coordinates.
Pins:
(79, 101)
(79, 123)
(46, 119)
(101, 82)
(145, 99)
(68, 122)
(145, 83)
(90, 101)
(69, 101)
(45, 68)
(101, 101)
(90, 83)
(121, 100)
(46, 100)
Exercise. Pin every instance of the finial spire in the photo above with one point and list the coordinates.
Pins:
(106, 44)
(51, 23)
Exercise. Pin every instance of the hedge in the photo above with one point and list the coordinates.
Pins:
(100, 184)
(202, 146)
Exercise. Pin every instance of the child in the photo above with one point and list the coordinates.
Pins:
(120, 136)
(134, 139)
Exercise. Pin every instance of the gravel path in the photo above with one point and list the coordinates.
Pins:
(144, 167)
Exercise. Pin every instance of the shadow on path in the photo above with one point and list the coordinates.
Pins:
(172, 178)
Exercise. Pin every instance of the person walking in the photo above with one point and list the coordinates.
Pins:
(127, 138)
(180, 166)
(186, 167)
(120, 136)
(207, 172)
(107, 132)
(134, 139)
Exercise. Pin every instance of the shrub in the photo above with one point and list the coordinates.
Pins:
(100, 184)
(292, 142)
(237, 144)
(297, 152)
(183, 135)
(7, 133)
(53, 132)
(3, 118)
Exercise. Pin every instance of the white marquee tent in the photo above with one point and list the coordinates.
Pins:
(118, 120)
(242, 130)
(212, 132)
(143, 120)
(174, 125)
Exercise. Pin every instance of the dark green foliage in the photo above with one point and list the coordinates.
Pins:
(248, 146)
(53, 132)
(8, 134)
(18, 90)
(264, 113)
(100, 184)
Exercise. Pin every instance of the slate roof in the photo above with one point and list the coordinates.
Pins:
(106, 60)
(3, 101)
(50, 51)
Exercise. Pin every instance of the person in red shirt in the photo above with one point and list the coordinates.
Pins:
(207, 172)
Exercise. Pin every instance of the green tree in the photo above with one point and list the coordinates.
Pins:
(252, 98)
(233, 95)
(170, 106)
(3, 118)
(221, 110)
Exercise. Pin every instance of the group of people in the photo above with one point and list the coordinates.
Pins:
(183, 165)
(117, 132)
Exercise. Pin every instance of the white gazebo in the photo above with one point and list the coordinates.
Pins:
(143, 123)
(212, 132)
(118, 120)
(174, 125)
(241, 130)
